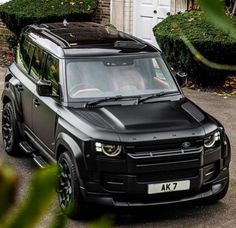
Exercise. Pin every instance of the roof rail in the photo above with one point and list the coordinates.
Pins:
(44, 30)
(66, 44)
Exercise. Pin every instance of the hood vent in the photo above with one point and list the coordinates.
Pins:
(193, 111)
(94, 118)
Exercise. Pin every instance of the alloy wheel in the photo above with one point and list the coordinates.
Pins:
(65, 185)
(7, 129)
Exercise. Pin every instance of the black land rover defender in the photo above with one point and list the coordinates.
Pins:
(106, 107)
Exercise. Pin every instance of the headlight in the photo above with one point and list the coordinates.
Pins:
(212, 139)
(108, 149)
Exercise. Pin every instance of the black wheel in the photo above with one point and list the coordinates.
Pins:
(219, 196)
(10, 133)
(70, 199)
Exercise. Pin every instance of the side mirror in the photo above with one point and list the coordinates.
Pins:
(44, 88)
(181, 78)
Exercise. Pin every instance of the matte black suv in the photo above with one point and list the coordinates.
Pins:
(107, 108)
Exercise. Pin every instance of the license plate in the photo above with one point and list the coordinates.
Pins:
(169, 187)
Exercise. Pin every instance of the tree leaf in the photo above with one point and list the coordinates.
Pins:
(215, 13)
(40, 197)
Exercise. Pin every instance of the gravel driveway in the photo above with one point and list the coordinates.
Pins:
(218, 215)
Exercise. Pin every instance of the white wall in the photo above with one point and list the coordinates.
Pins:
(180, 6)
(3, 1)
(122, 12)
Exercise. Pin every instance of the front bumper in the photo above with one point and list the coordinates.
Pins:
(119, 200)
(125, 183)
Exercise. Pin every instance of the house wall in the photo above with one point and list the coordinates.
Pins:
(178, 6)
(102, 14)
(4, 33)
(122, 12)
(117, 12)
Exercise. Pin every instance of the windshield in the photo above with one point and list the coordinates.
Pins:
(118, 76)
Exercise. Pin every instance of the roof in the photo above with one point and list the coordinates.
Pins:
(75, 35)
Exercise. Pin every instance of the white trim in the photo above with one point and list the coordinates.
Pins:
(135, 6)
(111, 11)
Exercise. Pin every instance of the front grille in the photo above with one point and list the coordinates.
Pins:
(162, 146)
(157, 161)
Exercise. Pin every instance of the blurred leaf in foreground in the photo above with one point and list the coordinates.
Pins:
(199, 57)
(8, 187)
(215, 13)
(59, 221)
(104, 222)
(40, 197)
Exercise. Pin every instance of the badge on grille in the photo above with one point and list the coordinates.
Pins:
(186, 144)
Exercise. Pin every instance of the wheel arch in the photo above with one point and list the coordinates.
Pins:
(8, 96)
(66, 143)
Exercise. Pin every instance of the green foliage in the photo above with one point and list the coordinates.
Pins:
(40, 197)
(8, 186)
(19, 13)
(181, 36)
(104, 222)
(215, 14)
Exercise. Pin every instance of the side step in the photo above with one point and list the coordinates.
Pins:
(39, 161)
(29, 150)
(26, 147)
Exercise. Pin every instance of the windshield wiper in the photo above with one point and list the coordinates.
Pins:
(156, 95)
(109, 99)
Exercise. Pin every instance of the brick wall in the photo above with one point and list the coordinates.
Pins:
(4, 34)
(102, 14)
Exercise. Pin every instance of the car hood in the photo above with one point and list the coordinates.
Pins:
(146, 121)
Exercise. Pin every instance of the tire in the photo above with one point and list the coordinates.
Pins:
(219, 196)
(68, 190)
(10, 133)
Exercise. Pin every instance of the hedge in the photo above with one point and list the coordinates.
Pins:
(211, 42)
(16, 14)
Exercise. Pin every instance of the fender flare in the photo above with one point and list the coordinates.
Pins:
(11, 96)
(72, 147)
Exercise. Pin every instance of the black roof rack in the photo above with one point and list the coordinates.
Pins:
(74, 34)
(79, 33)
(46, 32)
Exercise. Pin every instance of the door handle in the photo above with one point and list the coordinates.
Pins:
(36, 103)
(19, 87)
(155, 11)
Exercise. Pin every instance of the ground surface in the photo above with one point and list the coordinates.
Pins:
(218, 215)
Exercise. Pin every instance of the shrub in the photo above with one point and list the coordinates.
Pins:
(16, 14)
(211, 42)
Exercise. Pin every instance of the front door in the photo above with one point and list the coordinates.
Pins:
(44, 110)
(148, 13)
(25, 85)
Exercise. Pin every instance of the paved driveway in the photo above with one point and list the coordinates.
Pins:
(218, 215)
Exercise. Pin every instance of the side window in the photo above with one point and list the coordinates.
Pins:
(52, 73)
(37, 63)
(24, 54)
